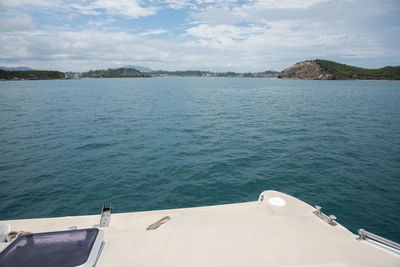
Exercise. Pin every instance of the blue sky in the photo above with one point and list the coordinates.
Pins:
(248, 35)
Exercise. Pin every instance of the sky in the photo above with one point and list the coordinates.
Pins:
(230, 35)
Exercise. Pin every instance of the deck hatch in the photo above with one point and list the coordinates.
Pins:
(63, 249)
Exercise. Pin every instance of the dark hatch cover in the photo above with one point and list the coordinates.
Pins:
(61, 249)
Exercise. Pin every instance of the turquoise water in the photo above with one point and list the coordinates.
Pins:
(69, 146)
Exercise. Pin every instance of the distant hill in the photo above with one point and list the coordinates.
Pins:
(15, 68)
(30, 75)
(139, 68)
(115, 73)
(329, 70)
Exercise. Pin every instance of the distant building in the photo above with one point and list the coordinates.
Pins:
(72, 75)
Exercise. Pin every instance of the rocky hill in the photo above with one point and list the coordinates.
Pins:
(328, 70)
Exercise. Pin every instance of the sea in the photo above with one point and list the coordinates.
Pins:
(69, 146)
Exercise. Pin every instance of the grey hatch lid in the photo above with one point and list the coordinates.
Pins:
(62, 249)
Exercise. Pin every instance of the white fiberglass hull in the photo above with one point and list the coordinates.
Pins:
(280, 230)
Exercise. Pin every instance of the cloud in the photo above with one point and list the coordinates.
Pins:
(99, 23)
(80, 50)
(19, 3)
(14, 22)
(154, 32)
(215, 1)
(225, 32)
(273, 4)
(129, 8)
(178, 4)
(233, 35)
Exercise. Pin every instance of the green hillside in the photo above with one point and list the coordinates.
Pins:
(30, 75)
(115, 73)
(347, 72)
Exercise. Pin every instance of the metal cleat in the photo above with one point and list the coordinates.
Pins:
(329, 219)
(105, 215)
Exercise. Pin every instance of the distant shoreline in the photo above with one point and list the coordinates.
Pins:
(317, 69)
(184, 77)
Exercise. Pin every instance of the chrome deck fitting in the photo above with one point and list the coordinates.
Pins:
(329, 219)
(365, 235)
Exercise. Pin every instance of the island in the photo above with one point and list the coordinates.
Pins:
(25, 73)
(115, 73)
(134, 73)
(30, 75)
(320, 69)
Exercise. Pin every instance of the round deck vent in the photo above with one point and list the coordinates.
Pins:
(277, 201)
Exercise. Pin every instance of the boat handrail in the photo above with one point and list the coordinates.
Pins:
(364, 234)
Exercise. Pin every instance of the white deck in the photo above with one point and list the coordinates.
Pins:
(245, 234)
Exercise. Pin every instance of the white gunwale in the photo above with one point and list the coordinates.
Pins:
(244, 234)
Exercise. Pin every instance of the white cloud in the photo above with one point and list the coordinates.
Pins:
(272, 4)
(129, 8)
(224, 32)
(178, 4)
(154, 32)
(213, 35)
(99, 23)
(19, 3)
(80, 50)
(13, 22)
(215, 1)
